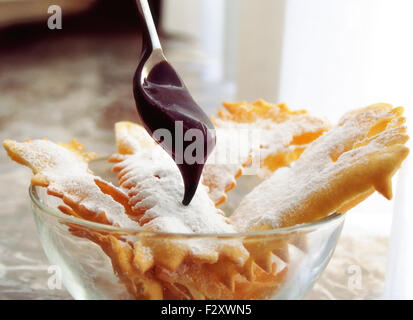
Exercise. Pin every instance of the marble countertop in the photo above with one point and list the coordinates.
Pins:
(78, 86)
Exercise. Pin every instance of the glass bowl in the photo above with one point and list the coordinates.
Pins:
(286, 262)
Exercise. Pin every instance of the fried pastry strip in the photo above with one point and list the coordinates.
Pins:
(284, 133)
(154, 186)
(336, 172)
(218, 177)
(63, 170)
(221, 281)
(281, 134)
(225, 164)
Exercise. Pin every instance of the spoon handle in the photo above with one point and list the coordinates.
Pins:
(150, 34)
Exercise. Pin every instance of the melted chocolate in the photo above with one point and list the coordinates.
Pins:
(163, 102)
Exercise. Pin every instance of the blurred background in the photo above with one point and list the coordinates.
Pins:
(327, 56)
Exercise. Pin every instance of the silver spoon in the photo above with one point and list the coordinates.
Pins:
(164, 103)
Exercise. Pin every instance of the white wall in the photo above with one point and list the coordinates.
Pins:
(203, 22)
(343, 54)
(259, 48)
(182, 17)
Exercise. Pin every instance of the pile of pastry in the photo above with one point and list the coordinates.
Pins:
(309, 170)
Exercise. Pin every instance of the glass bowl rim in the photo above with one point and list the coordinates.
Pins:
(104, 227)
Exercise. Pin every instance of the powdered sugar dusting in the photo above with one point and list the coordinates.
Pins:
(225, 163)
(219, 177)
(68, 175)
(154, 183)
(155, 187)
(272, 137)
(130, 137)
(287, 188)
(276, 137)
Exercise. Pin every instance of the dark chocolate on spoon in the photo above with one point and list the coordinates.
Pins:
(164, 103)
